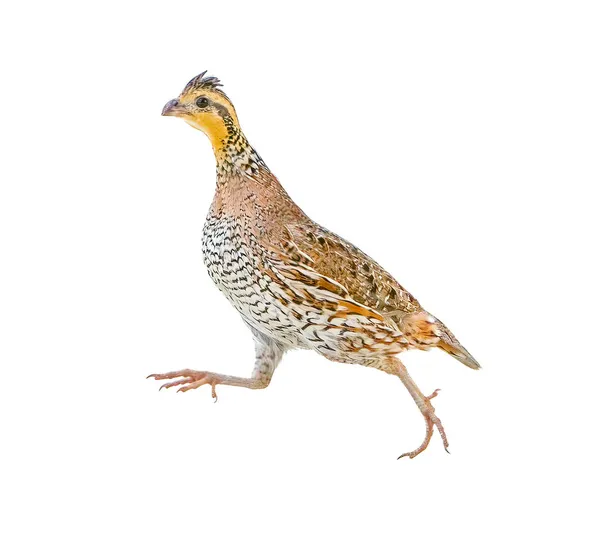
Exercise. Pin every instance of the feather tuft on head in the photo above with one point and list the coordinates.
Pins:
(202, 82)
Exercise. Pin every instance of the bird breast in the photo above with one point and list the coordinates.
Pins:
(232, 258)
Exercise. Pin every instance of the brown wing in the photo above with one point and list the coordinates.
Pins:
(331, 321)
(366, 281)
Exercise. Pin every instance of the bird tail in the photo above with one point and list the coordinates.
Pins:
(452, 346)
(425, 331)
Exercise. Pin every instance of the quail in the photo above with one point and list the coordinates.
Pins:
(296, 284)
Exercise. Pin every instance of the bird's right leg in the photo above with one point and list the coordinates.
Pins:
(393, 365)
(268, 355)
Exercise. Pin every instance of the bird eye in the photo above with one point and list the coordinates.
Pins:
(202, 102)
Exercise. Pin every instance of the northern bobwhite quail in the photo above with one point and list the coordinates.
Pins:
(296, 284)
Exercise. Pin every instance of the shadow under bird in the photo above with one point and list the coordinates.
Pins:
(296, 284)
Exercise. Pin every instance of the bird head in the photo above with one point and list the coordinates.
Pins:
(205, 107)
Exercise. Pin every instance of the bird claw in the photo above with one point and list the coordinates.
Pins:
(431, 420)
(433, 395)
(191, 380)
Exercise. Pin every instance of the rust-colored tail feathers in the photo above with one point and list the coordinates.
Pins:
(425, 331)
(452, 346)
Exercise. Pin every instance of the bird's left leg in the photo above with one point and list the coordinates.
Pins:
(268, 355)
(393, 365)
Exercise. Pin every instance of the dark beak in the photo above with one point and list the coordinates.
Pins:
(172, 108)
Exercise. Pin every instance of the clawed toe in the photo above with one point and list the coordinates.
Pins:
(434, 394)
(431, 420)
(191, 380)
(173, 383)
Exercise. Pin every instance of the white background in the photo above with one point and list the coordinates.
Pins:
(455, 142)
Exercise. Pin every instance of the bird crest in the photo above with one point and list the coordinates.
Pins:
(202, 82)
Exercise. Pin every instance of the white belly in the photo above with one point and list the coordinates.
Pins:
(233, 267)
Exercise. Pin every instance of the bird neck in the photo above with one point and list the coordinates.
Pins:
(244, 180)
(235, 156)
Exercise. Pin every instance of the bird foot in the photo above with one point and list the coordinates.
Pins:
(192, 379)
(431, 419)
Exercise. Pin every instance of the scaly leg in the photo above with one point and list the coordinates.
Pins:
(395, 367)
(268, 355)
